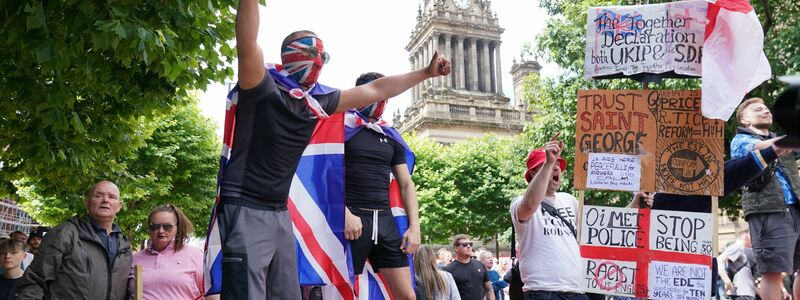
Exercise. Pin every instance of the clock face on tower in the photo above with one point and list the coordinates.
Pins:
(462, 4)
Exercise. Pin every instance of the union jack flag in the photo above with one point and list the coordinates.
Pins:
(610, 23)
(212, 277)
(371, 285)
(316, 205)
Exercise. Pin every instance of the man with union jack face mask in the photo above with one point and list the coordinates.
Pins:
(374, 153)
(303, 59)
(278, 107)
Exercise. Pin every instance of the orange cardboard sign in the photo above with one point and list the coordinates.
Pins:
(681, 152)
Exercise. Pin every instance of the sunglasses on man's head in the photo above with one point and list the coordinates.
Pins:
(468, 244)
(166, 226)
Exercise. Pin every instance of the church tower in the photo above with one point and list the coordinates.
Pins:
(469, 102)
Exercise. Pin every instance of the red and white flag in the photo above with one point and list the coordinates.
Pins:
(733, 57)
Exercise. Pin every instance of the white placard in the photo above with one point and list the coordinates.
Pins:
(652, 38)
(646, 253)
(606, 226)
(681, 231)
(678, 281)
(611, 277)
(620, 172)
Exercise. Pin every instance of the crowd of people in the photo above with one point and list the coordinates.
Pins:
(88, 257)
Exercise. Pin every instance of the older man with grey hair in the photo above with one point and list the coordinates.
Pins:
(85, 257)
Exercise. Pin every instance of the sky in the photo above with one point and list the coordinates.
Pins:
(371, 35)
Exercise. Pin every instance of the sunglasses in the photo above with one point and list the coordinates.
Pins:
(313, 52)
(166, 226)
(469, 244)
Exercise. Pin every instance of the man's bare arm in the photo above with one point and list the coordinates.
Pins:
(534, 194)
(390, 86)
(488, 290)
(251, 59)
(771, 142)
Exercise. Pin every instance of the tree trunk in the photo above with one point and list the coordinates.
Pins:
(497, 246)
(768, 20)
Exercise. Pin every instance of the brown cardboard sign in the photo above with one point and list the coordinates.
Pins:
(681, 152)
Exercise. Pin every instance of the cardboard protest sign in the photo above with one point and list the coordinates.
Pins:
(618, 122)
(645, 253)
(664, 39)
(690, 148)
(679, 151)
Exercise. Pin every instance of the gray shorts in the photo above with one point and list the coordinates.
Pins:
(258, 254)
(775, 240)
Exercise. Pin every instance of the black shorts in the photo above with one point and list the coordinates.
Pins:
(386, 253)
(775, 238)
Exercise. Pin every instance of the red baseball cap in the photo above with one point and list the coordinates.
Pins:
(536, 158)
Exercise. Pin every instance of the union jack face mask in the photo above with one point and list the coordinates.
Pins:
(373, 110)
(303, 59)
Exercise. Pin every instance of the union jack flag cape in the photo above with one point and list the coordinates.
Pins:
(316, 202)
(316, 205)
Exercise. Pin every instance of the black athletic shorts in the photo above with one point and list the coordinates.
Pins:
(386, 253)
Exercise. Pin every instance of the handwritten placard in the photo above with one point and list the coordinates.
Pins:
(680, 151)
(645, 253)
(662, 39)
(612, 277)
(680, 231)
(615, 122)
(689, 147)
(679, 281)
(610, 226)
(614, 172)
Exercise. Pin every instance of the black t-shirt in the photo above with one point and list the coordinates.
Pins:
(8, 287)
(469, 278)
(272, 131)
(369, 156)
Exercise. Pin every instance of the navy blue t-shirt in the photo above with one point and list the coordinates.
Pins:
(369, 156)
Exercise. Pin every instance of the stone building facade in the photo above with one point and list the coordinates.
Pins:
(469, 102)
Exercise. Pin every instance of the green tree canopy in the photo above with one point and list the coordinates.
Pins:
(176, 165)
(84, 82)
(466, 187)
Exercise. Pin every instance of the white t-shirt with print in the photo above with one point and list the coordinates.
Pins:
(549, 256)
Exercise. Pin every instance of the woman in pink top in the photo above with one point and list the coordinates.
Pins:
(171, 269)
